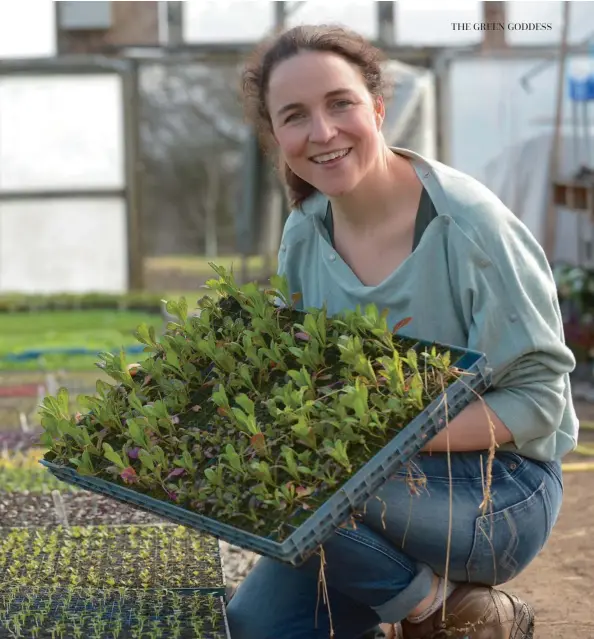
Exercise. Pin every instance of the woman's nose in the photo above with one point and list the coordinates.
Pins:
(322, 130)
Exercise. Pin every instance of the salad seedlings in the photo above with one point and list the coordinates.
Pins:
(63, 613)
(163, 556)
(252, 413)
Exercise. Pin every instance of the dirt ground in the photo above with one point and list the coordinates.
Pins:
(560, 582)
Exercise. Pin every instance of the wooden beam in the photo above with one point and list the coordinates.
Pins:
(386, 23)
(550, 230)
(494, 17)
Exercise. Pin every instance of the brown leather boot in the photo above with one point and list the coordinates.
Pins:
(391, 630)
(476, 612)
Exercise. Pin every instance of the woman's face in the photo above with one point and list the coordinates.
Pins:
(325, 121)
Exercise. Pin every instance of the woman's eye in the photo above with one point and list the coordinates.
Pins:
(292, 117)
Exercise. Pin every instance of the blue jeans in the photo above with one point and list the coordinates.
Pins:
(381, 567)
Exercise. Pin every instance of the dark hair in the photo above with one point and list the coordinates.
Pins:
(256, 75)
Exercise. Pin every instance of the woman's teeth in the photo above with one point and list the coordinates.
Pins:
(328, 157)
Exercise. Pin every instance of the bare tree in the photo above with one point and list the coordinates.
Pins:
(192, 137)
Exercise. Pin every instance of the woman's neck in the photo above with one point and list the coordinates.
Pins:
(380, 194)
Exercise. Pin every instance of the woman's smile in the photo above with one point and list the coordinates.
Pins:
(331, 158)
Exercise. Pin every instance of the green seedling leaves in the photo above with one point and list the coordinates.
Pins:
(305, 433)
(245, 403)
(64, 401)
(215, 476)
(146, 335)
(83, 464)
(233, 459)
(112, 456)
(134, 401)
(338, 451)
(178, 309)
(245, 421)
(261, 470)
(146, 459)
(219, 397)
(281, 286)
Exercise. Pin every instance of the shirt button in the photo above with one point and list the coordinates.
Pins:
(332, 257)
(427, 174)
(513, 317)
(283, 247)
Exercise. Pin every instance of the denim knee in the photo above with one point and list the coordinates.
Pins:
(443, 519)
(368, 581)
(277, 600)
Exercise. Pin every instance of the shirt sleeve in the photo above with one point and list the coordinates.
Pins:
(509, 298)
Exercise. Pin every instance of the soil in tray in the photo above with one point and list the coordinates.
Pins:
(160, 556)
(59, 613)
(81, 508)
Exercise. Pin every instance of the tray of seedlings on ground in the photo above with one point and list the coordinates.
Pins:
(69, 612)
(145, 557)
(257, 422)
(32, 496)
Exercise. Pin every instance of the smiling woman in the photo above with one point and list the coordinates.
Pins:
(372, 224)
(328, 137)
(301, 101)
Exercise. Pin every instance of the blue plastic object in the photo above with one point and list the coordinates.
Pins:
(306, 538)
(41, 352)
(581, 89)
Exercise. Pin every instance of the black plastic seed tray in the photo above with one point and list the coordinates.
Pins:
(307, 537)
(62, 613)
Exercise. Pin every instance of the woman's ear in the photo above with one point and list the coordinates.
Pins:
(380, 111)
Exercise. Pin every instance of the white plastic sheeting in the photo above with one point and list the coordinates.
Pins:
(62, 132)
(27, 29)
(410, 108)
(63, 245)
(520, 178)
(501, 134)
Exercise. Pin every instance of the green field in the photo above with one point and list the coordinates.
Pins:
(98, 330)
(107, 330)
(200, 265)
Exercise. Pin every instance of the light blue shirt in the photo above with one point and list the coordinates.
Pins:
(479, 280)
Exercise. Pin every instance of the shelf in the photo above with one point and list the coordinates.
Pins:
(578, 196)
